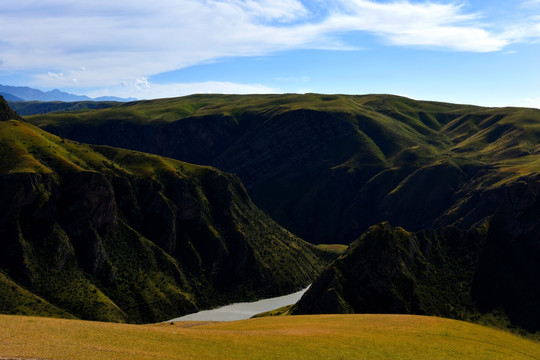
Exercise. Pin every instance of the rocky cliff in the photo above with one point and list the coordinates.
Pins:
(116, 235)
(485, 275)
(328, 167)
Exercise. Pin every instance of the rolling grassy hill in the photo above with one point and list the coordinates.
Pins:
(297, 337)
(101, 233)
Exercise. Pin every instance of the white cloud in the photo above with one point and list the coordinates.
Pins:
(155, 91)
(272, 10)
(54, 75)
(141, 84)
(126, 40)
(425, 24)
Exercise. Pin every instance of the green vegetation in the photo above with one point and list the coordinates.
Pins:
(431, 272)
(303, 337)
(100, 233)
(16, 300)
(337, 249)
(366, 158)
(461, 182)
(284, 310)
(39, 107)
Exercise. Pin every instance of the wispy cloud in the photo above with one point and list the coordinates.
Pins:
(420, 24)
(144, 89)
(104, 43)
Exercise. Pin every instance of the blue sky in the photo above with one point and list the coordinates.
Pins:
(478, 52)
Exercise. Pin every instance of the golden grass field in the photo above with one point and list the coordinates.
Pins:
(286, 337)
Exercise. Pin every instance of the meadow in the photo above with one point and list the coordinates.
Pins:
(286, 337)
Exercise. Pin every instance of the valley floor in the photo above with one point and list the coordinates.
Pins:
(286, 337)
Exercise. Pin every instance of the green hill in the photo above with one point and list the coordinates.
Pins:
(43, 107)
(117, 235)
(327, 167)
(483, 275)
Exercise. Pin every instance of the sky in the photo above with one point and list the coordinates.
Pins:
(482, 52)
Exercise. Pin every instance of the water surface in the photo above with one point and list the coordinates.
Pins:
(241, 311)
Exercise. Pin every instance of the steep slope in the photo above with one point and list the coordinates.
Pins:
(444, 272)
(329, 166)
(278, 144)
(7, 113)
(116, 235)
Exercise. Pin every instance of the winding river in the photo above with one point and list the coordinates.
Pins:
(241, 311)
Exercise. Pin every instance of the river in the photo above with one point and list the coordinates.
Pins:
(241, 311)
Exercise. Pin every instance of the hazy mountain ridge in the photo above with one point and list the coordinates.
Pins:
(26, 93)
(109, 234)
(9, 97)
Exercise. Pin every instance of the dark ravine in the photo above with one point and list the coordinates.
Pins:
(107, 234)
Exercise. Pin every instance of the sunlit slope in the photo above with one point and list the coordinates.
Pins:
(16, 300)
(329, 166)
(306, 337)
(102, 233)
(24, 108)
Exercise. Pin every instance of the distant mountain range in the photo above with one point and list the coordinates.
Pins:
(25, 93)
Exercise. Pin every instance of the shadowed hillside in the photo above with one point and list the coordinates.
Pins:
(486, 275)
(327, 167)
(102, 233)
(6, 113)
(462, 181)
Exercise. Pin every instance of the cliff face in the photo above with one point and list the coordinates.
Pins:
(108, 234)
(328, 167)
(389, 270)
(485, 275)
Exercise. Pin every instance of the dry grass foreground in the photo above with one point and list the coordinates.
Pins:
(290, 337)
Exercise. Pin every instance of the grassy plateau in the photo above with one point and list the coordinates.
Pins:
(290, 337)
